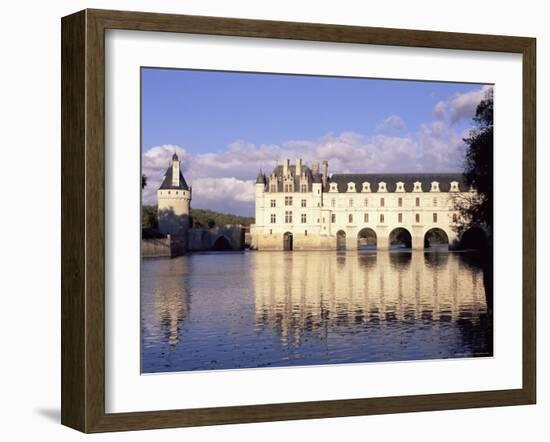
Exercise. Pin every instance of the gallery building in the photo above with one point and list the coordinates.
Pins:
(303, 208)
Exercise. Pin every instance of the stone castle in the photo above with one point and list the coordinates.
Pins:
(298, 207)
(303, 208)
(174, 222)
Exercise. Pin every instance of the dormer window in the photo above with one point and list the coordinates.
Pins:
(454, 186)
(382, 186)
(435, 186)
(417, 186)
(333, 187)
(399, 186)
(366, 187)
(351, 187)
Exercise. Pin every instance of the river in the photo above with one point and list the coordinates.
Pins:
(270, 309)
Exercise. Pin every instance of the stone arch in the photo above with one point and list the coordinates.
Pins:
(366, 239)
(400, 238)
(474, 238)
(222, 244)
(288, 241)
(436, 238)
(340, 240)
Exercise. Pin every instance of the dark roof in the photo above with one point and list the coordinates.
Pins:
(167, 182)
(391, 180)
(260, 179)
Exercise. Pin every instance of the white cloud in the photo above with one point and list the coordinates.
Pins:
(460, 106)
(440, 109)
(224, 180)
(391, 123)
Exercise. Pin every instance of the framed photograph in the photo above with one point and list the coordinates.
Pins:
(269, 220)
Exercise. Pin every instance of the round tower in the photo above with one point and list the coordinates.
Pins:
(174, 201)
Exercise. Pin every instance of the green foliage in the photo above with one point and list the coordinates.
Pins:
(477, 209)
(202, 218)
(149, 218)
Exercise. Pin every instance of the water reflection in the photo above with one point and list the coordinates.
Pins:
(261, 309)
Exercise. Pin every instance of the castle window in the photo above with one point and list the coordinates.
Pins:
(417, 217)
(273, 218)
(435, 217)
(435, 202)
(454, 186)
(418, 186)
(273, 203)
(381, 217)
(417, 202)
(306, 232)
(400, 202)
(366, 187)
(303, 203)
(382, 202)
(303, 188)
(271, 231)
(381, 186)
(366, 202)
(288, 201)
(435, 186)
(333, 202)
(169, 192)
(350, 218)
(333, 187)
(303, 218)
(333, 218)
(177, 193)
(273, 188)
(288, 216)
(351, 202)
(399, 217)
(288, 187)
(351, 187)
(366, 217)
(399, 187)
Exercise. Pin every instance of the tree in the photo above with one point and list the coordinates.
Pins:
(143, 180)
(476, 209)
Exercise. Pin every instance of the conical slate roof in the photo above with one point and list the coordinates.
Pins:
(167, 182)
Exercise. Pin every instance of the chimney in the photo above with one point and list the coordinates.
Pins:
(315, 168)
(175, 171)
(285, 167)
(325, 172)
(298, 167)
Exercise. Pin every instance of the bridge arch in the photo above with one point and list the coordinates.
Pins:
(474, 238)
(222, 244)
(340, 240)
(400, 238)
(366, 239)
(436, 238)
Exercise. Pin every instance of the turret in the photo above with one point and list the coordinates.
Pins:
(174, 201)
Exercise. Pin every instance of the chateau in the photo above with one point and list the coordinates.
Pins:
(303, 208)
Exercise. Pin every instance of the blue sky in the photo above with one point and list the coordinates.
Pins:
(226, 125)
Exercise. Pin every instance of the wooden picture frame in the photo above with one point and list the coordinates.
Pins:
(83, 220)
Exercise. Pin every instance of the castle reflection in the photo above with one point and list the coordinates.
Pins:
(304, 292)
(239, 310)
